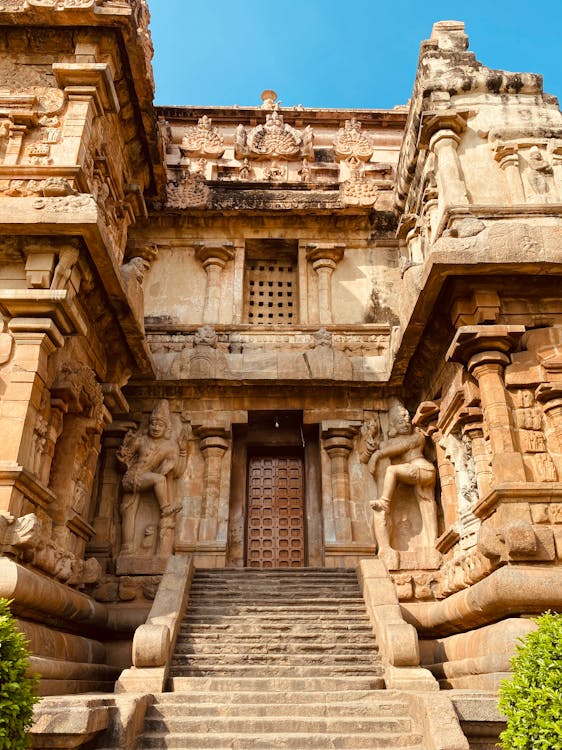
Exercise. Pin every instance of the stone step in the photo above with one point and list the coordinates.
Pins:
(296, 659)
(274, 670)
(262, 684)
(264, 648)
(379, 701)
(311, 612)
(311, 629)
(218, 707)
(277, 741)
(274, 724)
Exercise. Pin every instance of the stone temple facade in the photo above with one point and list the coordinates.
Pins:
(273, 342)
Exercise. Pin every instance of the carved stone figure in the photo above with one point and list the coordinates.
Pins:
(205, 360)
(326, 362)
(539, 168)
(154, 456)
(398, 461)
(369, 440)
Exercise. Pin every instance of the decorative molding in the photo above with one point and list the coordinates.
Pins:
(273, 140)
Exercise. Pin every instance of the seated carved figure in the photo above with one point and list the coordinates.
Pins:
(400, 460)
(152, 456)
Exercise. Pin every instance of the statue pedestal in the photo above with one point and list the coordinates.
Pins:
(140, 566)
(422, 558)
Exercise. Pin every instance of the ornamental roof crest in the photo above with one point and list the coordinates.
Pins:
(203, 141)
(273, 140)
(351, 143)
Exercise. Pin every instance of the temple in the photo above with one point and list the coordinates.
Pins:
(280, 396)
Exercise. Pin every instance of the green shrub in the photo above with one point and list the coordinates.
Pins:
(17, 689)
(532, 699)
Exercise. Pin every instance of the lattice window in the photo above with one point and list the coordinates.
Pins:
(270, 283)
(270, 292)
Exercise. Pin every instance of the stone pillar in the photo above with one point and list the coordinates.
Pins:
(15, 143)
(337, 440)
(90, 91)
(213, 443)
(475, 433)
(214, 257)
(508, 159)
(102, 544)
(324, 258)
(448, 174)
(35, 339)
(484, 349)
(426, 419)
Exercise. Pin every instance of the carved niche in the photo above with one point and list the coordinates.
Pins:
(404, 508)
(154, 457)
(76, 394)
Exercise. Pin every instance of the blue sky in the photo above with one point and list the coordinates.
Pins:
(333, 53)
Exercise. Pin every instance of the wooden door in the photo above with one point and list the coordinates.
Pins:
(275, 528)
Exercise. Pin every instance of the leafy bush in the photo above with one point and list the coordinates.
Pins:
(17, 689)
(532, 699)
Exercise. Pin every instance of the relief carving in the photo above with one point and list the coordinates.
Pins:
(154, 457)
(324, 362)
(133, 274)
(532, 439)
(273, 140)
(202, 141)
(351, 143)
(538, 173)
(403, 517)
(358, 191)
(28, 541)
(205, 360)
(188, 191)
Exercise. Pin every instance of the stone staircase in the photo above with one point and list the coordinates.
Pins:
(277, 659)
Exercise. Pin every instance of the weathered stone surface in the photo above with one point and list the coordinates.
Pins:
(274, 337)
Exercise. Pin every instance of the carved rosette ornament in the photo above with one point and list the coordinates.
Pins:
(203, 141)
(273, 140)
(351, 143)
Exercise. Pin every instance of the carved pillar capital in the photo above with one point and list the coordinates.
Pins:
(214, 253)
(482, 344)
(324, 258)
(213, 256)
(426, 417)
(507, 156)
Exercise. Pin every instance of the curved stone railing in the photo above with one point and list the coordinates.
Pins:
(154, 641)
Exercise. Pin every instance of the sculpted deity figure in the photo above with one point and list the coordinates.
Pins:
(405, 464)
(154, 456)
(539, 168)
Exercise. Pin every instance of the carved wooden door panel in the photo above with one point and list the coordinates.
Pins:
(275, 512)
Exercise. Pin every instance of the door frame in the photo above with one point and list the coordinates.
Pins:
(246, 438)
(280, 452)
